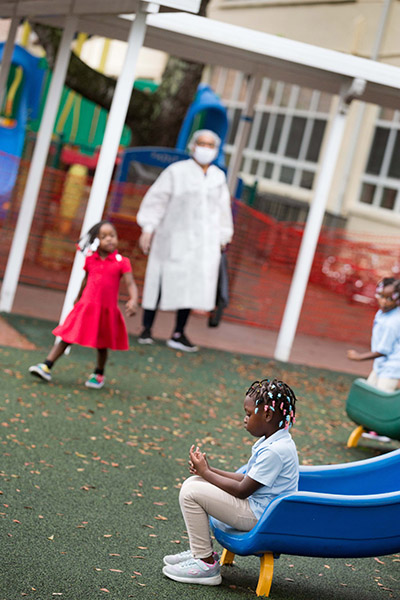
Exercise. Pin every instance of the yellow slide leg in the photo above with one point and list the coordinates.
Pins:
(355, 436)
(226, 557)
(266, 574)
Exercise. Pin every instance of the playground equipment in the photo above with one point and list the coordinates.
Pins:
(347, 510)
(205, 112)
(373, 410)
(141, 166)
(22, 102)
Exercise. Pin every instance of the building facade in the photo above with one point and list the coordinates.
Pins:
(290, 123)
(289, 129)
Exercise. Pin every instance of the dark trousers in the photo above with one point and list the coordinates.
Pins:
(182, 316)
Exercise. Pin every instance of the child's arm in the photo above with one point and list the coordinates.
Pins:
(242, 488)
(83, 284)
(354, 355)
(131, 306)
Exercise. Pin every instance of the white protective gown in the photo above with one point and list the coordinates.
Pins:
(190, 215)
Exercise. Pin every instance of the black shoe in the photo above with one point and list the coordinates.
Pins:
(181, 343)
(145, 337)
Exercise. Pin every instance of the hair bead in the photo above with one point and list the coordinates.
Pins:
(268, 392)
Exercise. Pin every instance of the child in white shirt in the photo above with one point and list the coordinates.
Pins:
(238, 499)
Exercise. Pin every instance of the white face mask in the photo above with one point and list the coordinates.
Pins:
(204, 155)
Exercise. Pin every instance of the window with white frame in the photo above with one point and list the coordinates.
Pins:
(380, 184)
(287, 130)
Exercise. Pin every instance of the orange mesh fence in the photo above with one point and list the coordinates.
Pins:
(340, 297)
(339, 302)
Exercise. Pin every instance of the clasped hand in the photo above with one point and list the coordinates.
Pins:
(198, 464)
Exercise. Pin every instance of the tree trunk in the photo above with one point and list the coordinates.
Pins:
(155, 119)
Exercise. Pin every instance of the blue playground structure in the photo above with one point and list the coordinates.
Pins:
(347, 510)
(142, 165)
(205, 112)
(22, 102)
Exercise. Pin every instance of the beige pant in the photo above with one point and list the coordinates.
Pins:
(198, 499)
(385, 384)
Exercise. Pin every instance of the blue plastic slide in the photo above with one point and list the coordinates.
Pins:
(347, 510)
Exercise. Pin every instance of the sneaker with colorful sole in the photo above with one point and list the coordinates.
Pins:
(41, 370)
(95, 381)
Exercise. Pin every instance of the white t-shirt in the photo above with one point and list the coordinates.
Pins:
(386, 341)
(273, 463)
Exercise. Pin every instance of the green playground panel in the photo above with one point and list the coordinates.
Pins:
(374, 409)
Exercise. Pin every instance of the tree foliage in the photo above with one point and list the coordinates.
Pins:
(154, 119)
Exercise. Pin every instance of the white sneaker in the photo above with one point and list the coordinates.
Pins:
(194, 570)
(41, 370)
(181, 343)
(371, 435)
(145, 337)
(174, 559)
(95, 381)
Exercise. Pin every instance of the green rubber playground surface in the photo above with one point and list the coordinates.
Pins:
(90, 479)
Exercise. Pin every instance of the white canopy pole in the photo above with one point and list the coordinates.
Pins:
(356, 129)
(313, 226)
(34, 179)
(109, 147)
(8, 49)
(242, 134)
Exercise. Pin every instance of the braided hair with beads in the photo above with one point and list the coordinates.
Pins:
(385, 282)
(89, 237)
(277, 396)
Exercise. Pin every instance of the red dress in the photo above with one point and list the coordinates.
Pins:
(96, 320)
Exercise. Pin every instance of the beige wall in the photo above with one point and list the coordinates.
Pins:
(346, 27)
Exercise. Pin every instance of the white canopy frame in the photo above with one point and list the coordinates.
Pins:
(109, 149)
(112, 135)
(7, 56)
(36, 170)
(258, 54)
(314, 222)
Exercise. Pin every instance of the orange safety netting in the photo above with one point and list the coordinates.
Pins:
(339, 302)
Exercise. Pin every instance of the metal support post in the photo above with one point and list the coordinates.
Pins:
(314, 222)
(109, 148)
(34, 179)
(8, 49)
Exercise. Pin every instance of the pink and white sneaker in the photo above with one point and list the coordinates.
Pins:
(194, 570)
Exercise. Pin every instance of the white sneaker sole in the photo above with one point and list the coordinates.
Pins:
(39, 373)
(377, 438)
(94, 386)
(215, 580)
(178, 346)
(146, 341)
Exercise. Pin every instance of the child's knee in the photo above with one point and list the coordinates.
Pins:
(188, 489)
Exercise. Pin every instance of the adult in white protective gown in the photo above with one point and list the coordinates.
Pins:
(186, 219)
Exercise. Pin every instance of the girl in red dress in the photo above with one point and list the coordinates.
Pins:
(96, 320)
